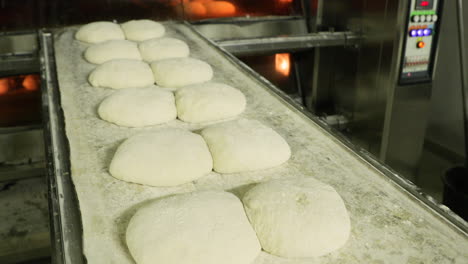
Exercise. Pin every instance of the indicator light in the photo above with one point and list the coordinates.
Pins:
(420, 32)
(427, 32)
(421, 44)
(413, 33)
(424, 3)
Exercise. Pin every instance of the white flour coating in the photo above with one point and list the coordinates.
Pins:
(140, 30)
(178, 72)
(100, 31)
(122, 73)
(163, 48)
(208, 101)
(207, 227)
(388, 225)
(138, 107)
(168, 157)
(297, 218)
(112, 49)
(245, 145)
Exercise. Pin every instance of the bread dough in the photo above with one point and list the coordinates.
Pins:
(140, 30)
(175, 73)
(167, 157)
(163, 48)
(137, 107)
(112, 49)
(198, 228)
(297, 218)
(208, 102)
(122, 73)
(101, 31)
(245, 145)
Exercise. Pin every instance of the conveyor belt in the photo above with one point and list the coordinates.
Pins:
(388, 224)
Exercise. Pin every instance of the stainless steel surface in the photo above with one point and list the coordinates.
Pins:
(18, 43)
(405, 184)
(242, 47)
(238, 28)
(65, 217)
(361, 82)
(463, 70)
(18, 53)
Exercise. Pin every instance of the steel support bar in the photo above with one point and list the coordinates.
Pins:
(251, 46)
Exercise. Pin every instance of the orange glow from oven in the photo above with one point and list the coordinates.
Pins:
(4, 85)
(283, 63)
(31, 82)
(285, 1)
(220, 8)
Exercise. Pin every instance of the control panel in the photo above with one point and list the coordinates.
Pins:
(420, 41)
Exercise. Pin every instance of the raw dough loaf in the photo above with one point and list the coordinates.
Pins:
(164, 158)
(112, 49)
(175, 73)
(122, 73)
(208, 102)
(297, 218)
(245, 145)
(163, 48)
(198, 228)
(140, 30)
(137, 107)
(96, 32)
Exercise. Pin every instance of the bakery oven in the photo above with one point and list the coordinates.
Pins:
(348, 65)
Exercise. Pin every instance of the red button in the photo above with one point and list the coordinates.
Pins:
(424, 3)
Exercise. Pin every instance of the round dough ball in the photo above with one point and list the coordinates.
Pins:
(96, 32)
(178, 72)
(140, 30)
(138, 107)
(208, 102)
(198, 228)
(122, 73)
(112, 49)
(163, 48)
(297, 218)
(164, 158)
(245, 145)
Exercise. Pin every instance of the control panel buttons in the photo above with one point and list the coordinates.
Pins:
(422, 18)
(420, 44)
(434, 18)
(415, 18)
(428, 18)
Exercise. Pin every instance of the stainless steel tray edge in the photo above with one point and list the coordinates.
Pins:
(65, 219)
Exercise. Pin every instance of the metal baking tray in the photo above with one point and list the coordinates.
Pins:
(413, 220)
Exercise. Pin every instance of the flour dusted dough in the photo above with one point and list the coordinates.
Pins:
(112, 49)
(208, 102)
(175, 73)
(140, 30)
(137, 107)
(122, 73)
(167, 157)
(297, 218)
(163, 48)
(96, 32)
(245, 145)
(198, 228)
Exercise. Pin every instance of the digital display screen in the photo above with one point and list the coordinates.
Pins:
(424, 4)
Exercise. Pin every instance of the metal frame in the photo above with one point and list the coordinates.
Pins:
(66, 228)
(242, 47)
